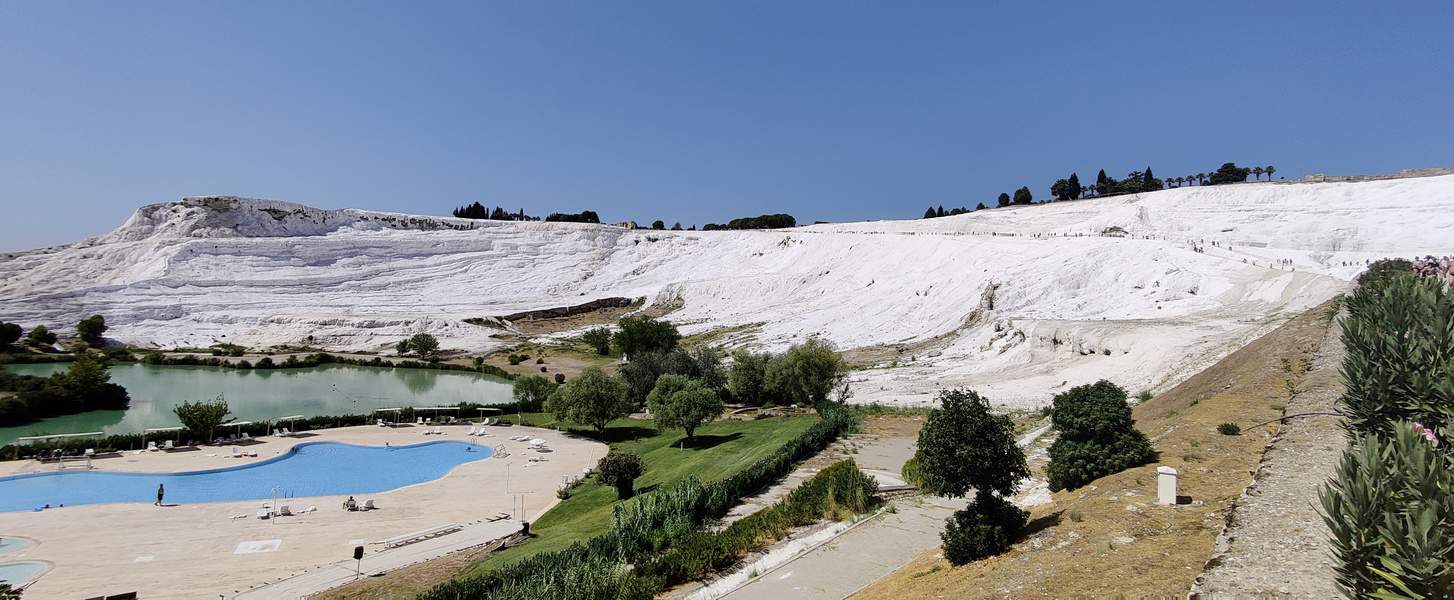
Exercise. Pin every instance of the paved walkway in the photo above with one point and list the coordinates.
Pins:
(331, 575)
(1275, 544)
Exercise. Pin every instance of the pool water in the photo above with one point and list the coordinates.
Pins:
(20, 573)
(309, 469)
(13, 544)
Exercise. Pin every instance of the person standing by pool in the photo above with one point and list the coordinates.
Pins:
(161, 492)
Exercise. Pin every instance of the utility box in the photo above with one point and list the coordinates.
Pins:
(1165, 485)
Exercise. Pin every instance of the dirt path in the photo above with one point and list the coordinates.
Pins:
(1275, 543)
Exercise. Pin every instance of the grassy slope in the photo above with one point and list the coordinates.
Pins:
(723, 448)
(1107, 539)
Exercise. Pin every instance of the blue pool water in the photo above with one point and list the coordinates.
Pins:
(309, 469)
(20, 573)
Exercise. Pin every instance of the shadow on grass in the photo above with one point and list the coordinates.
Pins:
(624, 433)
(703, 442)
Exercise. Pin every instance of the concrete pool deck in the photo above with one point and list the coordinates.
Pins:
(192, 551)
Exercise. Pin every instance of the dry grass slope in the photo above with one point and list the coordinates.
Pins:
(1109, 538)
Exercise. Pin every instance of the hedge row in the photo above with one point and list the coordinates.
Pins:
(318, 359)
(641, 528)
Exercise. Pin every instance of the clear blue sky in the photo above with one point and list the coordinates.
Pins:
(691, 111)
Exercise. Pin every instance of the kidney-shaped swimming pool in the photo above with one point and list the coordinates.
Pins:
(308, 469)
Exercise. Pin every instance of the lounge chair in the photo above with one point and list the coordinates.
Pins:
(473, 431)
(265, 514)
(151, 446)
(168, 445)
(369, 504)
(285, 511)
(237, 452)
(419, 420)
(252, 453)
(245, 437)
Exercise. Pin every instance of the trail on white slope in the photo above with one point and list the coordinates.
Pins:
(1191, 280)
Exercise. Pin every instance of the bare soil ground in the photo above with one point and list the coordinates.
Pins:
(1109, 538)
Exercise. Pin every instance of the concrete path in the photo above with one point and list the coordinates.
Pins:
(858, 557)
(1275, 544)
(331, 575)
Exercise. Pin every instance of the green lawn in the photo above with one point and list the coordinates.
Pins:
(722, 448)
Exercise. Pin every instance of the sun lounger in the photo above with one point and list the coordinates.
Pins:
(265, 514)
(151, 446)
(419, 421)
(308, 510)
(245, 437)
(369, 504)
(168, 445)
(285, 511)
(473, 431)
(236, 452)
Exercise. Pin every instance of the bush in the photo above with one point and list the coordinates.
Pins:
(202, 417)
(806, 374)
(747, 378)
(515, 359)
(1229, 429)
(531, 391)
(1396, 367)
(910, 471)
(1390, 510)
(682, 402)
(985, 528)
(9, 333)
(1097, 436)
(620, 470)
(424, 345)
(91, 329)
(40, 336)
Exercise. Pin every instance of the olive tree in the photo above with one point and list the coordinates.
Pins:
(424, 345)
(591, 398)
(682, 402)
(531, 391)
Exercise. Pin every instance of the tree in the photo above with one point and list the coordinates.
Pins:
(9, 333)
(645, 334)
(929, 213)
(592, 398)
(747, 378)
(964, 447)
(531, 392)
(90, 330)
(1060, 189)
(620, 470)
(1097, 436)
(676, 226)
(424, 345)
(1023, 196)
(202, 418)
(1104, 184)
(1075, 188)
(402, 347)
(940, 212)
(1201, 178)
(598, 338)
(658, 225)
(1229, 173)
(1004, 200)
(980, 206)
(1269, 169)
(1257, 173)
(40, 336)
(8, 593)
(682, 402)
(806, 374)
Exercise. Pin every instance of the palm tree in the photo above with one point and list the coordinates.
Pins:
(1190, 179)
(1256, 173)
(1179, 181)
(1201, 178)
(1269, 171)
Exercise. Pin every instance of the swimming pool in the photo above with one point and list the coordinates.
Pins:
(308, 469)
(20, 573)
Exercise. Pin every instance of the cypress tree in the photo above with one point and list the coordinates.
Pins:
(929, 213)
(1074, 186)
(1004, 199)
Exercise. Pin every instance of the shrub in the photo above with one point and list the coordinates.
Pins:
(40, 336)
(987, 527)
(515, 359)
(1396, 367)
(559, 378)
(910, 471)
(806, 374)
(424, 345)
(1390, 509)
(747, 378)
(620, 470)
(1229, 429)
(9, 333)
(1097, 436)
(91, 329)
